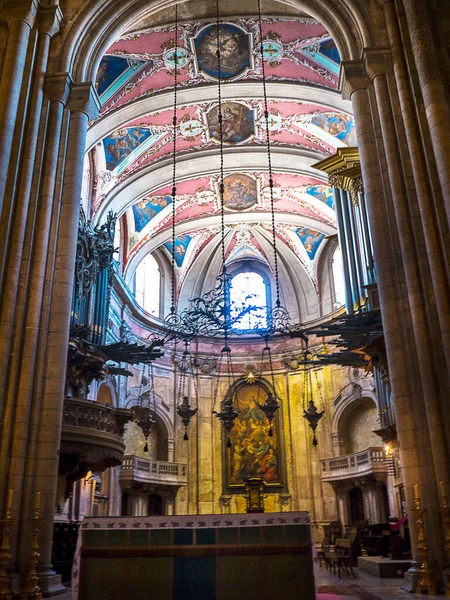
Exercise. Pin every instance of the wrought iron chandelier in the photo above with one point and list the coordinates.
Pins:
(214, 314)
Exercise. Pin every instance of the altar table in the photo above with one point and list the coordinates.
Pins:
(195, 557)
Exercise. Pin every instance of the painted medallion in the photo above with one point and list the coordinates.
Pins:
(238, 124)
(235, 51)
(273, 51)
(240, 192)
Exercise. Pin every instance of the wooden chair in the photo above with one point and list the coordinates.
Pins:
(325, 547)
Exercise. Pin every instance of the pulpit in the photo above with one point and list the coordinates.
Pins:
(202, 557)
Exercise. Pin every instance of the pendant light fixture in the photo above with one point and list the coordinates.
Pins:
(271, 404)
(142, 412)
(310, 410)
(184, 408)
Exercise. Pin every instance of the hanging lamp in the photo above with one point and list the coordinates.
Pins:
(271, 404)
(310, 410)
(142, 413)
(184, 408)
(228, 411)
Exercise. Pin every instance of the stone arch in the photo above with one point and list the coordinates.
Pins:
(106, 393)
(356, 400)
(325, 276)
(161, 415)
(100, 23)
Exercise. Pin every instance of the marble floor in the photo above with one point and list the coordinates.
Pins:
(380, 588)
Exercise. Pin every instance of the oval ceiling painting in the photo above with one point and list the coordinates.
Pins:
(235, 51)
(238, 123)
(240, 192)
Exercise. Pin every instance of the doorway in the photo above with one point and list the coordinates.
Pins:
(356, 505)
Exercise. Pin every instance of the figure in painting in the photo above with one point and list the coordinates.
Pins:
(240, 192)
(234, 46)
(180, 248)
(254, 453)
(322, 192)
(237, 123)
(339, 125)
(146, 209)
(311, 240)
(121, 143)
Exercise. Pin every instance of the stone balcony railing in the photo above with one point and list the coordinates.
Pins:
(91, 437)
(142, 470)
(359, 464)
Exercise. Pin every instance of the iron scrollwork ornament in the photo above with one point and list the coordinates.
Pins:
(95, 249)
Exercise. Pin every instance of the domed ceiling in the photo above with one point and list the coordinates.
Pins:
(131, 143)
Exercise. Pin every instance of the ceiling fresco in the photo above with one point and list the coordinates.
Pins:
(198, 211)
(295, 50)
(139, 140)
(149, 139)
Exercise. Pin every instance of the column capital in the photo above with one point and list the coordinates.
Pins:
(58, 87)
(377, 61)
(23, 11)
(84, 98)
(353, 77)
(49, 20)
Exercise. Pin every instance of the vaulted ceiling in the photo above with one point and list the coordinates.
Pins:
(130, 145)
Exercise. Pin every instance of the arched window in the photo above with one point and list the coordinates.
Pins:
(338, 278)
(249, 289)
(148, 285)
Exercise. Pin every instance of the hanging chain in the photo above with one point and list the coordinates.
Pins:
(139, 398)
(221, 183)
(174, 164)
(216, 391)
(152, 381)
(271, 367)
(220, 119)
(182, 381)
(194, 382)
(269, 158)
(322, 403)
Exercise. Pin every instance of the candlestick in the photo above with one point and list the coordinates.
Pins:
(31, 590)
(425, 585)
(446, 514)
(9, 500)
(442, 489)
(5, 555)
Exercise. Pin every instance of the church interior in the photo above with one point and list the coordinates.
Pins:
(224, 310)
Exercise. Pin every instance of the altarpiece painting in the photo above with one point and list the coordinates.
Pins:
(253, 452)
